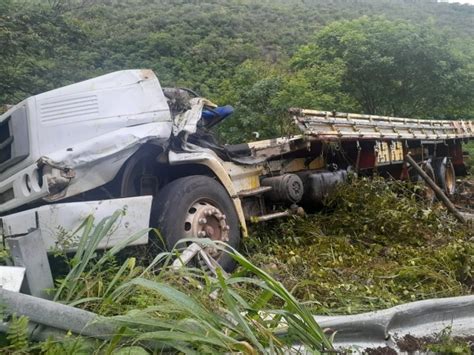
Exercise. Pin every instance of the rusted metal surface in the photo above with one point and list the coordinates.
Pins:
(254, 192)
(324, 124)
(269, 217)
(113, 117)
(204, 220)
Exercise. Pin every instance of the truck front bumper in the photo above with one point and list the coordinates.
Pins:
(57, 222)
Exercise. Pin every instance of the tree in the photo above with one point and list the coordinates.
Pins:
(253, 90)
(38, 51)
(394, 68)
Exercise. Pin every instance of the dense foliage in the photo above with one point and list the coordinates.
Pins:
(166, 308)
(378, 246)
(260, 56)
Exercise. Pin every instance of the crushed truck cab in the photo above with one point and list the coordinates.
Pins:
(122, 137)
(76, 138)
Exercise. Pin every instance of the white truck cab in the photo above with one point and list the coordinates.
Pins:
(52, 142)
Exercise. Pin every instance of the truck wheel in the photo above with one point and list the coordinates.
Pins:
(445, 175)
(197, 207)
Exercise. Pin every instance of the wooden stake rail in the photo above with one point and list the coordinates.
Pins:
(326, 124)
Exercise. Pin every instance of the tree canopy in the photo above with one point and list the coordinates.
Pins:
(394, 68)
(398, 57)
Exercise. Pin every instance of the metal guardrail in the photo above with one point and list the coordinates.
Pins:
(388, 327)
(383, 328)
(325, 124)
(53, 317)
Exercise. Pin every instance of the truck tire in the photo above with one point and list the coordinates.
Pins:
(197, 207)
(445, 175)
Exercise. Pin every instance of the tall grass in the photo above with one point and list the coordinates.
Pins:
(186, 310)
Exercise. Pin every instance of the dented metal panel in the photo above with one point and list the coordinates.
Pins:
(57, 221)
(97, 161)
(21, 188)
(386, 328)
(187, 121)
(81, 134)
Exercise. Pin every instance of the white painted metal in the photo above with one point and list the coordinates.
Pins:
(11, 278)
(97, 161)
(386, 327)
(23, 191)
(58, 221)
(187, 121)
(28, 251)
(99, 121)
(79, 112)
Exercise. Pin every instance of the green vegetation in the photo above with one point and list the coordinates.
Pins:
(375, 245)
(181, 310)
(469, 148)
(442, 343)
(378, 246)
(411, 58)
(446, 344)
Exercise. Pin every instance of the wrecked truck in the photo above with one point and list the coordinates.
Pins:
(121, 141)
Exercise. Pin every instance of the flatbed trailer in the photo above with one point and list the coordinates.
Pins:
(122, 141)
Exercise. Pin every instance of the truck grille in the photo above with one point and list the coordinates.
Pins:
(7, 196)
(14, 138)
(6, 141)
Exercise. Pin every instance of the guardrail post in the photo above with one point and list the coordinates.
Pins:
(29, 252)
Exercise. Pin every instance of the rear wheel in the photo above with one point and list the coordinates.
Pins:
(197, 207)
(445, 175)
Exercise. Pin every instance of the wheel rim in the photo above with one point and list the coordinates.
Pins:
(205, 220)
(450, 178)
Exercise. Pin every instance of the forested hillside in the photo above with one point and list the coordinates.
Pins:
(372, 243)
(412, 58)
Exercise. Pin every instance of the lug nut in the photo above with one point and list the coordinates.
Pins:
(226, 228)
(202, 221)
(201, 234)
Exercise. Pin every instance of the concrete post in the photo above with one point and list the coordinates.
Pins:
(29, 252)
